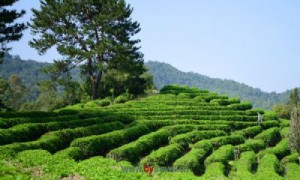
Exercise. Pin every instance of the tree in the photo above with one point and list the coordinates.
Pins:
(87, 33)
(294, 98)
(294, 136)
(12, 93)
(9, 31)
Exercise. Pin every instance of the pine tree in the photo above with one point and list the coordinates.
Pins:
(9, 31)
(87, 33)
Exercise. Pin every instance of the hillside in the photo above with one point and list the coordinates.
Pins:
(182, 133)
(165, 74)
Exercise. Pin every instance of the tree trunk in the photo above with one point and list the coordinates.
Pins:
(95, 85)
(94, 91)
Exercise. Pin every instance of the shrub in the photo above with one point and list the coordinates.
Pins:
(252, 145)
(192, 137)
(270, 115)
(133, 151)
(101, 144)
(58, 140)
(104, 102)
(280, 150)
(242, 106)
(270, 124)
(292, 158)
(225, 102)
(194, 159)
(68, 112)
(223, 154)
(164, 156)
(292, 171)
(270, 136)
(249, 132)
(29, 114)
(220, 141)
(215, 170)
(268, 168)
(242, 168)
(122, 98)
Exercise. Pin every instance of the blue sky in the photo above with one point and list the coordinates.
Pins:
(256, 42)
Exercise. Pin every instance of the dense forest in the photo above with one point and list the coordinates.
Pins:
(164, 74)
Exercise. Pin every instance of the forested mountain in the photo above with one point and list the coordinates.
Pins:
(166, 74)
(163, 74)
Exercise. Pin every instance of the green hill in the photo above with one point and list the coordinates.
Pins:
(183, 133)
(164, 74)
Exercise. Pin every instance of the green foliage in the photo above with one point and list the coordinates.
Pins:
(164, 156)
(268, 168)
(195, 136)
(242, 168)
(194, 159)
(270, 136)
(249, 132)
(241, 106)
(294, 136)
(292, 171)
(223, 154)
(252, 145)
(280, 150)
(10, 30)
(292, 158)
(164, 74)
(102, 144)
(142, 146)
(57, 140)
(123, 98)
(214, 170)
(95, 47)
(283, 110)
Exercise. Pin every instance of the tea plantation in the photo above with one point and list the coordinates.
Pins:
(182, 133)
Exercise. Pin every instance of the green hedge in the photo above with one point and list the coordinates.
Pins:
(269, 124)
(252, 145)
(223, 154)
(292, 171)
(30, 114)
(164, 156)
(292, 158)
(214, 171)
(225, 102)
(9, 122)
(57, 140)
(133, 151)
(249, 132)
(281, 149)
(194, 136)
(102, 144)
(268, 168)
(243, 106)
(32, 131)
(270, 136)
(220, 141)
(194, 159)
(242, 168)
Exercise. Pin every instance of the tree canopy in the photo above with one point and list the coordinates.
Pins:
(89, 34)
(9, 31)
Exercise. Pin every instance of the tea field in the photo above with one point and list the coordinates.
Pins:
(180, 133)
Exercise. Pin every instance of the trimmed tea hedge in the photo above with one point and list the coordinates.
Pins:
(268, 168)
(242, 168)
(102, 144)
(164, 156)
(223, 154)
